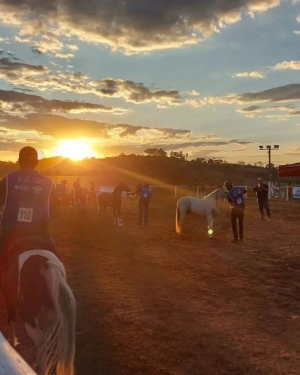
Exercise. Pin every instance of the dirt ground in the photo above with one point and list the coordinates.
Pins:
(153, 303)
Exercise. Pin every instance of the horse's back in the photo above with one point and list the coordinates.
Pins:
(103, 197)
(189, 200)
(192, 205)
(24, 281)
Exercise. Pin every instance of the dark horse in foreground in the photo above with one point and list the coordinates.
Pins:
(33, 281)
(113, 200)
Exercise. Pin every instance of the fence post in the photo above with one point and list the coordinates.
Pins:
(197, 191)
(287, 192)
(175, 191)
(246, 195)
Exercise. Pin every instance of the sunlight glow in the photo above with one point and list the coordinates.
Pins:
(75, 149)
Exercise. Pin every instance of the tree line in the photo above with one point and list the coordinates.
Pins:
(161, 153)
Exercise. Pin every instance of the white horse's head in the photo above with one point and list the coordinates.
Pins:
(222, 193)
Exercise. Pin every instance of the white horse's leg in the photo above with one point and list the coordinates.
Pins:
(181, 221)
(210, 222)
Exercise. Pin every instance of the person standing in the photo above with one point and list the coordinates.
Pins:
(262, 192)
(145, 198)
(30, 200)
(77, 190)
(202, 190)
(290, 191)
(92, 193)
(237, 206)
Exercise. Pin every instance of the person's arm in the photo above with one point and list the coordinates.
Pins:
(2, 191)
(254, 188)
(244, 191)
(138, 189)
(54, 203)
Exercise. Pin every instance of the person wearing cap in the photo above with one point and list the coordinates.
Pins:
(290, 191)
(237, 206)
(92, 193)
(77, 190)
(202, 190)
(145, 197)
(29, 200)
(262, 192)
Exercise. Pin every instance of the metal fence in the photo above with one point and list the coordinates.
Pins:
(180, 191)
(275, 191)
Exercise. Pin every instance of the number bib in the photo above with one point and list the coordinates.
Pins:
(239, 201)
(25, 214)
(145, 195)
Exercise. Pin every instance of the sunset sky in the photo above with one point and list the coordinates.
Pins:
(212, 78)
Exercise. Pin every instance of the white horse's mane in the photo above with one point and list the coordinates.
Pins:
(216, 191)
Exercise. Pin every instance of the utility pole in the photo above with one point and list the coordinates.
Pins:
(269, 149)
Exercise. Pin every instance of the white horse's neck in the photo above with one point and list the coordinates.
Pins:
(213, 195)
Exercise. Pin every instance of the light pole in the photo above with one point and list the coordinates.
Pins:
(269, 149)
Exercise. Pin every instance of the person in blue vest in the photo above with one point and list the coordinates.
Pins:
(237, 206)
(29, 200)
(145, 197)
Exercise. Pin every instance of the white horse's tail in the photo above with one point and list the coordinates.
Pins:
(57, 348)
(177, 220)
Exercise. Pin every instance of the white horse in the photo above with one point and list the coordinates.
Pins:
(208, 206)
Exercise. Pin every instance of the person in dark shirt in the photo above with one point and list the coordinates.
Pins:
(262, 192)
(290, 191)
(145, 197)
(77, 190)
(237, 206)
(29, 200)
(202, 190)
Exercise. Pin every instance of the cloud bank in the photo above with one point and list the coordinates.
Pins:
(42, 78)
(132, 26)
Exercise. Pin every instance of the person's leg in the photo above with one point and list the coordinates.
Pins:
(261, 208)
(233, 224)
(146, 213)
(241, 224)
(266, 206)
(140, 212)
(4, 239)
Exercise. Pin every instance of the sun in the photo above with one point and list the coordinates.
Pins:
(75, 149)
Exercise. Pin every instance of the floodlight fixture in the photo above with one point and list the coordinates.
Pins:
(269, 148)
